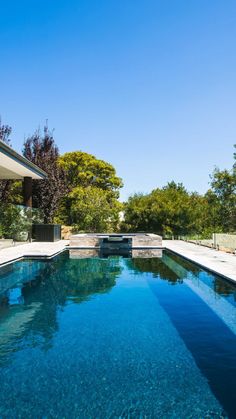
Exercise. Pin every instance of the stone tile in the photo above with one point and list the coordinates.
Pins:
(35, 249)
(216, 261)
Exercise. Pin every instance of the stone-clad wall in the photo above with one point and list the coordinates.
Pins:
(83, 240)
(147, 240)
(139, 240)
(135, 253)
(66, 232)
(83, 253)
(147, 253)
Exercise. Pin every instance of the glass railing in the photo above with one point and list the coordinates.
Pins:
(16, 224)
(218, 241)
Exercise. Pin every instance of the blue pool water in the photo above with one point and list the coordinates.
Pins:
(116, 338)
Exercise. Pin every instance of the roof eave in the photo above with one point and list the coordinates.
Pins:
(8, 151)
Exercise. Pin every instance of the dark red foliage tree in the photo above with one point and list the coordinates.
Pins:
(42, 151)
(5, 185)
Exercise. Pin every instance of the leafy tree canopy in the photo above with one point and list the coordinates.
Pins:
(169, 211)
(83, 169)
(223, 184)
(92, 204)
(5, 132)
(42, 151)
(5, 185)
(172, 210)
(166, 211)
(90, 209)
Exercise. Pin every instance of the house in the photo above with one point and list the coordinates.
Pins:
(16, 167)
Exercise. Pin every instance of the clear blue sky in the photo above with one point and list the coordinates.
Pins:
(148, 85)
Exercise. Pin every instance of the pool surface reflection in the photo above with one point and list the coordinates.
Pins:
(114, 337)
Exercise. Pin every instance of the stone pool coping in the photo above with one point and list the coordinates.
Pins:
(218, 262)
(45, 250)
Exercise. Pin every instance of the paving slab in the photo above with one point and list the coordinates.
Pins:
(221, 263)
(35, 249)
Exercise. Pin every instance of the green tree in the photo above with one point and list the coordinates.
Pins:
(136, 212)
(223, 184)
(90, 209)
(167, 211)
(174, 211)
(83, 169)
(92, 204)
(171, 210)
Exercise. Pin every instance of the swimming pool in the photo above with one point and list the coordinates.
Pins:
(116, 338)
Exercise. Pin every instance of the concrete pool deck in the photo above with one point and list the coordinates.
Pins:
(216, 261)
(34, 250)
(221, 263)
